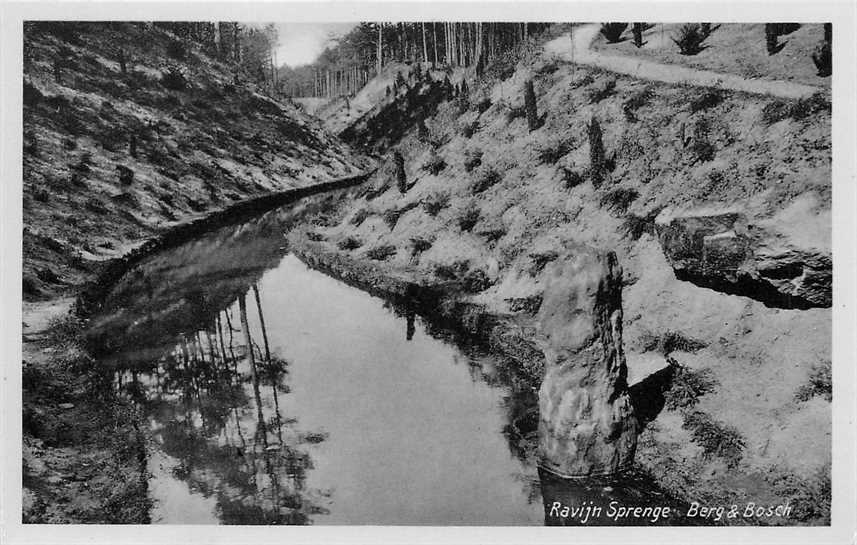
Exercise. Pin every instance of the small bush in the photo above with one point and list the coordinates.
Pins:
(349, 243)
(600, 92)
(779, 110)
(420, 245)
(475, 281)
(687, 386)
(529, 305)
(468, 219)
(514, 113)
(715, 438)
(820, 383)
(635, 226)
(472, 159)
(538, 261)
(435, 164)
(126, 175)
(469, 129)
(672, 341)
(689, 39)
(391, 217)
(619, 199)
(551, 152)
(174, 80)
(822, 57)
(315, 236)
(435, 203)
(612, 32)
(483, 105)
(381, 253)
(637, 101)
(32, 95)
(493, 235)
(487, 179)
(708, 99)
(570, 177)
(41, 195)
(700, 145)
(177, 50)
(359, 217)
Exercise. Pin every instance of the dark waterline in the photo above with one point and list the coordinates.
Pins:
(347, 410)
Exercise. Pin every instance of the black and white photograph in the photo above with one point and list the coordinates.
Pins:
(450, 270)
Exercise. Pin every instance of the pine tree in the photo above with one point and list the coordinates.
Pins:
(530, 105)
(596, 153)
(399, 163)
(638, 34)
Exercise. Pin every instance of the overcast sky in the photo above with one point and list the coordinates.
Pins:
(301, 43)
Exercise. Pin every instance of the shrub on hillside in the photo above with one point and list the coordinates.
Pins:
(700, 144)
(434, 164)
(174, 80)
(715, 438)
(619, 199)
(708, 98)
(177, 50)
(359, 217)
(486, 179)
(689, 39)
(602, 91)
(126, 175)
(492, 235)
(483, 105)
(472, 159)
(469, 129)
(528, 305)
(475, 281)
(539, 260)
(552, 151)
(779, 110)
(468, 219)
(822, 57)
(612, 32)
(570, 177)
(635, 102)
(687, 386)
(381, 253)
(513, 113)
(349, 243)
(436, 202)
(419, 245)
(820, 383)
(635, 226)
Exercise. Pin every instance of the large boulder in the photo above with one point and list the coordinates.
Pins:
(587, 426)
(766, 259)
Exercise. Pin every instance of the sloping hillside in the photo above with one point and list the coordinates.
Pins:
(129, 130)
(718, 206)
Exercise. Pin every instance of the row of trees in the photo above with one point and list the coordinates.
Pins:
(345, 66)
(251, 48)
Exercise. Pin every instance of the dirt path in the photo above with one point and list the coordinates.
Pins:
(577, 50)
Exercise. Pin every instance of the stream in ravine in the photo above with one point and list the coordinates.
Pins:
(341, 409)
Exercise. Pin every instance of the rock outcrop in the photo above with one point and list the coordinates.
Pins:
(587, 426)
(730, 252)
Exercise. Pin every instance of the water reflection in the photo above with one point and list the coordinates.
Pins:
(277, 395)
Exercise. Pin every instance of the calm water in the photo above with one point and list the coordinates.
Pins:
(330, 407)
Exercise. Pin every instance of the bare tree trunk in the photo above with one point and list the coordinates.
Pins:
(242, 306)
(262, 322)
(425, 45)
(434, 33)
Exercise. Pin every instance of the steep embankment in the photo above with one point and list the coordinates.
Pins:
(718, 206)
(128, 130)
